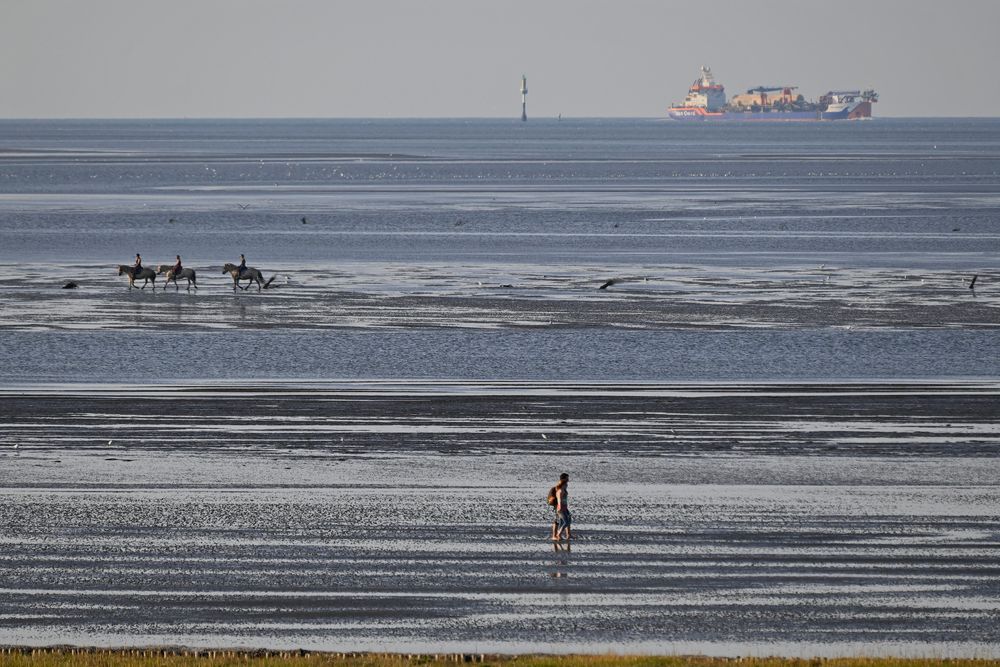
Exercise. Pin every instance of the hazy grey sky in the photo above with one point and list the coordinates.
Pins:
(409, 58)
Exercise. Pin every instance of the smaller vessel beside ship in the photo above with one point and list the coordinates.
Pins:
(706, 100)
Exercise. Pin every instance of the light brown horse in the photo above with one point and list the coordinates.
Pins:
(188, 274)
(145, 274)
(250, 274)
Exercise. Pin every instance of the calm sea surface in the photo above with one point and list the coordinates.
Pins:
(587, 198)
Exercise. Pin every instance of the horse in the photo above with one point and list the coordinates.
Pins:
(188, 274)
(145, 274)
(249, 274)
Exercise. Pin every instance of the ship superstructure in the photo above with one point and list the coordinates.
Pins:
(706, 100)
(705, 93)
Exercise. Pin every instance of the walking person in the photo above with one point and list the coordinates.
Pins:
(559, 498)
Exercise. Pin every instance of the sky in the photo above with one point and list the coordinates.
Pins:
(465, 58)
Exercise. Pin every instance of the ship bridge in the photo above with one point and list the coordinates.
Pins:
(705, 92)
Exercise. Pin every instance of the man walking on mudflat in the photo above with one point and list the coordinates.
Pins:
(563, 520)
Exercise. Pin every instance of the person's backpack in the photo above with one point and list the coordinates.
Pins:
(551, 499)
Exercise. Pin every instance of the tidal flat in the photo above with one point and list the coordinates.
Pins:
(766, 355)
(827, 519)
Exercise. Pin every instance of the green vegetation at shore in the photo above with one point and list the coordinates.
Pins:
(51, 657)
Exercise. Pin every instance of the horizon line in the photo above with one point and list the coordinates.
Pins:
(558, 117)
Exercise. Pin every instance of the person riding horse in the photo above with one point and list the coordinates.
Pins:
(137, 267)
(176, 268)
(242, 267)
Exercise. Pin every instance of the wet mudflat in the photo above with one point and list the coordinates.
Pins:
(501, 321)
(387, 295)
(790, 518)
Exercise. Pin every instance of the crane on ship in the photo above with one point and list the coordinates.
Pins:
(786, 93)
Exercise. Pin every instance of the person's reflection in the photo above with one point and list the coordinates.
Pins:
(561, 563)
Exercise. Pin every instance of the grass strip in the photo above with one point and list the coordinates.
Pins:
(177, 657)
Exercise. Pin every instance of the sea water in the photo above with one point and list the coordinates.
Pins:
(446, 209)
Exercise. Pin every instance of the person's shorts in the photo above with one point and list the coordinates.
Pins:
(563, 519)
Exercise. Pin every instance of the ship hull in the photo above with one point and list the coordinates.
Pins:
(848, 112)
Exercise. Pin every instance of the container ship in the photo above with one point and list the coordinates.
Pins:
(706, 100)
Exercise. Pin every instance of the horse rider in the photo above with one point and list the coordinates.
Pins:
(137, 267)
(242, 267)
(176, 268)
